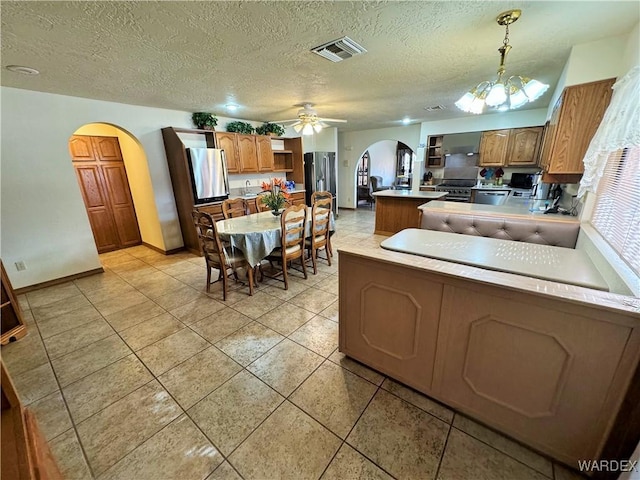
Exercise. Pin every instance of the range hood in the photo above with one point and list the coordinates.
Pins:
(461, 143)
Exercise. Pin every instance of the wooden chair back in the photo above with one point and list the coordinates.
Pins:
(210, 243)
(320, 217)
(320, 194)
(293, 224)
(234, 207)
(261, 207)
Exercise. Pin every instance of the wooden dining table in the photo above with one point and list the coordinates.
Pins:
(258, 234)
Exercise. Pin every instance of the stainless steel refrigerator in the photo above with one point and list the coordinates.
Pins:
(321, 174)
(209, 177)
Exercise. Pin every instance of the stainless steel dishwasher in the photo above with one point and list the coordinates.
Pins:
(491, 197)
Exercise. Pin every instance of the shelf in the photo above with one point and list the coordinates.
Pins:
(192, 130)
(282, 151)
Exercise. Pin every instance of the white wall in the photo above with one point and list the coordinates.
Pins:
(44, 222)
(382, 160)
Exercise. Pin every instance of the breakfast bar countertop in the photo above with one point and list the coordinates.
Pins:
(514, 208)
(410, 194)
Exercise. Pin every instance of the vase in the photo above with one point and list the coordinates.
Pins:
(276, 213)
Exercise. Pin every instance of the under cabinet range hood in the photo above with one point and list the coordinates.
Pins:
(461, 143)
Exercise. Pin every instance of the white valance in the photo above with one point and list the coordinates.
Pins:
(620, 128)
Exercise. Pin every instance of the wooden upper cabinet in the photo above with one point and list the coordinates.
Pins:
(524, 147)
(265, 153)
(248, 153)
(228, 142)
(573, 123)
(493, 148)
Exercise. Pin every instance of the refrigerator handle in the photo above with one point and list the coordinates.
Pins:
(224, 169)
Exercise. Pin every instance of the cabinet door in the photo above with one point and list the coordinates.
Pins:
(265, 153)
(297, 198)
(493, 148)
(227, 142)
(247, 153)
(81, 149)
(524, 147)
(107, 148)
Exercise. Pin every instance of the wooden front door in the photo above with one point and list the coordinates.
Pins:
(105, 190)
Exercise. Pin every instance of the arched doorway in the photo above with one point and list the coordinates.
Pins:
(390, 162)
(113, 176)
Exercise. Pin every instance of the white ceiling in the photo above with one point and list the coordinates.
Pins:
(200, 56)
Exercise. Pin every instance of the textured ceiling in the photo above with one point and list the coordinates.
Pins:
(198, 56)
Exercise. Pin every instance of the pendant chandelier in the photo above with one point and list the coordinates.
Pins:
(503, 93)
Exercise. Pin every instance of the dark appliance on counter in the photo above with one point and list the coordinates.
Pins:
(209, 177)
(320, 174)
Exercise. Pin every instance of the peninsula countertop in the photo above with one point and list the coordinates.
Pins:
(402, 194)
(512, 209)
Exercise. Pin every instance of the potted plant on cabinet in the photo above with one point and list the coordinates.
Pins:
(272, 129)
(204, 120)
(240, 127)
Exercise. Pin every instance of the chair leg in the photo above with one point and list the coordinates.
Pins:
(208, 278)
(314, 254)
(304, 266)
(285, 275)
(329, 247)
(225, 279)
(250, 275)
(326, 251)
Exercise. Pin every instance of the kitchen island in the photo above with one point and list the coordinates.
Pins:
(545, 362)
(398, 209)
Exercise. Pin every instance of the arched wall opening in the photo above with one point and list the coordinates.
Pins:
(137, 167)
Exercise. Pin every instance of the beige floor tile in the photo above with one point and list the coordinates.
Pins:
(196, 278)
(108, 292)
(134, 315)
(277, 289)
(224, 472)
(98, 281)
(195, 378)
(249, 343)
(356, 367)
(329, 284)
(285, 366)
(84, 361)
(318, 334)
(286, 319)
(159, 284)
(222, 323)
(23, 302)
(183, 267)
(117, 430)
(504, 444)
(69, 341)
(334, 396)
(400, 438)
(137, 275)
(150, 331)
(419, 400)
(25, 354)
(314, 300)
(68, 321)
(35, 384)
(257, 305)
(69, 458)
(289, 444)
(331, 312)
(115, 304)
(52, 415)
(48, 295)
(59, 308)
(104, 387)
(178, 297)
(349, 464)
(125, 265)
(179, 451)
(229, 414)
(466, 457)
(172, 350)
(195, 310)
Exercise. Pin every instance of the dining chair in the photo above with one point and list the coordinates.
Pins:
(293, 223)
(261, 207)
(218, 254)
(234, 207)
(319, 238)
(320, 195)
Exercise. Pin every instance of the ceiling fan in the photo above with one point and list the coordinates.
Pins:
(308, 120)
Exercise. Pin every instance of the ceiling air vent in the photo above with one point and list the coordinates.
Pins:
(435, 108)
(338, 50)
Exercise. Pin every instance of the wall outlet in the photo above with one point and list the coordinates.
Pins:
(20, 266)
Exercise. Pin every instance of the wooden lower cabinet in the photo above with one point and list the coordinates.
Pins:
(297, 198)
(550, 373)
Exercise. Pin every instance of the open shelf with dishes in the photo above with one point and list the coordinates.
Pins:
(435, 154)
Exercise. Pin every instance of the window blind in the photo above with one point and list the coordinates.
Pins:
(616, 213)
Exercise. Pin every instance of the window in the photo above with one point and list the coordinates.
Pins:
(363, 170)
(616, 213)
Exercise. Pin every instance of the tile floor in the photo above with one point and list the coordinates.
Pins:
(138, 374)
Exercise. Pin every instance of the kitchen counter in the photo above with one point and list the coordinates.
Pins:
(559, 264)
(513, 208)
(398, 209)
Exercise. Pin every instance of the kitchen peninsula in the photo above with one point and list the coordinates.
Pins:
(545, 362)
(398, 209)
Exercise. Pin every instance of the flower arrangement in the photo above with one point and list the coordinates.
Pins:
(277, 194)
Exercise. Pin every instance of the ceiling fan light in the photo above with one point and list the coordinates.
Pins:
(465, 101)
(317, 127)
(497, 95)
(307, 129)
(518, 99)
(477, 106)
(297, 127)
(534, 89)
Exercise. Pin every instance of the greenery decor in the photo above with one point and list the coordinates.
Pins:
(267, 128)
(276, 196)
(240, 127)
(204, 120)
